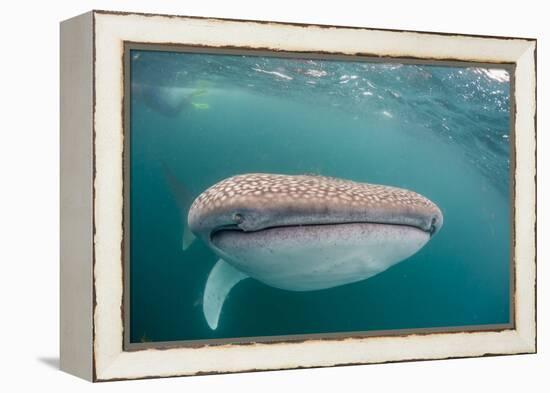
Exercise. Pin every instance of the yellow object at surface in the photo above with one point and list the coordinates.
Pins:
(197, 105)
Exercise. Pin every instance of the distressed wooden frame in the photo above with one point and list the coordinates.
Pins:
(92, 189)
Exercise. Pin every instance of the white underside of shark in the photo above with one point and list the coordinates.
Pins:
(306, 258)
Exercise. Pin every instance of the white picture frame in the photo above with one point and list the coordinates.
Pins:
(92, 195)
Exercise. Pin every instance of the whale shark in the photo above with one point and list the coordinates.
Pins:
(305, 232)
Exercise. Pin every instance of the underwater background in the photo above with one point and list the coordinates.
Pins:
(442, 131)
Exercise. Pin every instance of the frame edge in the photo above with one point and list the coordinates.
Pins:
(76, 196)
(526, 201)
(523, 339)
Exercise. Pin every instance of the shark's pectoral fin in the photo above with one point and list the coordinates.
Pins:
(223, 277)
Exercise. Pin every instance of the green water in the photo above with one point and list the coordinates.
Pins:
(440, 131)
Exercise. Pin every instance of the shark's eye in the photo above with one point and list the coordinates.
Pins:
(238, 218)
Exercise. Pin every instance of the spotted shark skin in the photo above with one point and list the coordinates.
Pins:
(304, 200)
(305, 232)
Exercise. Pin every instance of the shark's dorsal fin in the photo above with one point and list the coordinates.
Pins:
(187, 237)
(222, 278)
(184, 199)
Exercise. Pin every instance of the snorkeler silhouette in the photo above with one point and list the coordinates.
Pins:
(168, 101)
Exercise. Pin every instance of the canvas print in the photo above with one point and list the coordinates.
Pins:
(280, 196)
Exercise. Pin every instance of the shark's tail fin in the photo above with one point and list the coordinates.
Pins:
(184, 199)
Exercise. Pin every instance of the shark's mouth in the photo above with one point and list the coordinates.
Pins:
(236, 228)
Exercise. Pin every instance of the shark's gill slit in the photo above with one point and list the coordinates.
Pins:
(270, 228)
